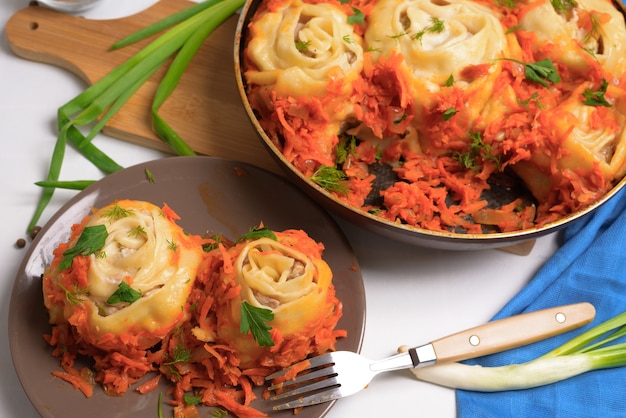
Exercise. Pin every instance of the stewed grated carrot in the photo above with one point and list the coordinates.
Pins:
(304, 123)
(79, 382)
(170, 213)
(382, 97)
(199, 364)
(149, 386)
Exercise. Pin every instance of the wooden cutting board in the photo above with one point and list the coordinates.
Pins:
(205, 109)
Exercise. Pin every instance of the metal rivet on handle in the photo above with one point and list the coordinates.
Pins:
(560, 317)
(474, 340)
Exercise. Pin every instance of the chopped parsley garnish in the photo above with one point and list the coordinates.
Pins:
(91, 240)
(447, 115)
(180, 354)
(124, 294)
(255, 320)
(192, 399)
(172, 245)
(256, 233)
(357, 17)
(540, 72)
(450, 81)
(596, 98)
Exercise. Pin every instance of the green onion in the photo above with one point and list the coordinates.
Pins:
(160, 406)
(53, 175)
(586, 352)
(92, 153)
(70, 185)
(163, 24)
(96, 105)
(217, 14)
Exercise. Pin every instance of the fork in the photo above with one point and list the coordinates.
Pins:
(342, 373)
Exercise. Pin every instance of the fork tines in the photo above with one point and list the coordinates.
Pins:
(315, 376)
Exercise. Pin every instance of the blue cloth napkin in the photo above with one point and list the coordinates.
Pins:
(590, 266)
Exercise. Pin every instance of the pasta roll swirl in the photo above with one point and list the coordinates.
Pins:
(592, 32)
(437, 39)
(287, 277)
(299, 47)
(601, 144)
(145, 250)
(282, 279)
(593, 152)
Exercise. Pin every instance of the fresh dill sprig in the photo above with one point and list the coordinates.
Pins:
(331, 179)
(117, 212)
(436, 26)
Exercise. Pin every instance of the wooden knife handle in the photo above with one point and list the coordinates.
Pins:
(515, 331)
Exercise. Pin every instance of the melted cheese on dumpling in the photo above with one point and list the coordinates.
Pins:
(299, 47)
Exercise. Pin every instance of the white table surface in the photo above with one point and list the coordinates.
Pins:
(413, 294)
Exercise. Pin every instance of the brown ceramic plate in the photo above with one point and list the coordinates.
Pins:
(211, 195)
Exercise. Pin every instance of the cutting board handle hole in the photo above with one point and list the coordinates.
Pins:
(34, 25)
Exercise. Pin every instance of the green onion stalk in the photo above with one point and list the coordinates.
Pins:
(185, 32)
(586, 352)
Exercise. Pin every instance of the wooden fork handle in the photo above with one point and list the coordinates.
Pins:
(515, 331)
